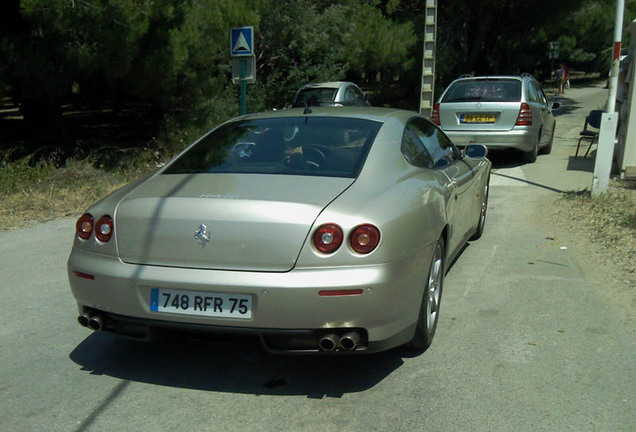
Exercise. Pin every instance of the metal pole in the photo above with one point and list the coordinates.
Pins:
(609, 120)
(243, 109)
(618, 35)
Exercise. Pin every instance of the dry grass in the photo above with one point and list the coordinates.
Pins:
(609, 222)
(38, 193)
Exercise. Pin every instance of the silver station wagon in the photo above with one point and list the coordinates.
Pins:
(325, 230)
(500, 112)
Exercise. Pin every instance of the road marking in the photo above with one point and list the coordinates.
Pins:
(508, 177)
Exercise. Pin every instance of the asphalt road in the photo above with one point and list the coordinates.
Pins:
(528, 340)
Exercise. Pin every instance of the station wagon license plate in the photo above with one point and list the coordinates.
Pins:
(201, 303)
(477, 118)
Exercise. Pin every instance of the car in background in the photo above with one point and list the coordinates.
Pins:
(500, 112)
(336, 93)
(311, 230)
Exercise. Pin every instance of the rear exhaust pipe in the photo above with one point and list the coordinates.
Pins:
(95, 323)
(349, 341)
(328, 342)
(82, 319)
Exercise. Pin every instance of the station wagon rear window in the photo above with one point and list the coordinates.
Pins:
(491, 90)
(313, 146)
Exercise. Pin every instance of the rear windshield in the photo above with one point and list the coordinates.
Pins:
(315, 96)
(484, 91)
(318, 146)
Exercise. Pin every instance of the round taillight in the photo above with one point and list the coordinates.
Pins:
(104, 229)
(328, 238)
(364, 239)
(84, 226)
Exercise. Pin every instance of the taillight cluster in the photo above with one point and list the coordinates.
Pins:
(435, 115)
(103, 228)
(525, 115)
(363, 239)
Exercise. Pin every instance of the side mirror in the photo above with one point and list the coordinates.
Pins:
(475, 151)
(555, 105)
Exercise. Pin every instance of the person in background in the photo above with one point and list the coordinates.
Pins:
(563, 75)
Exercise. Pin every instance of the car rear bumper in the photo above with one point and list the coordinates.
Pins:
(520, 139)
(288, 314)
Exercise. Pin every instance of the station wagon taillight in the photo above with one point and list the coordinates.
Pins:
(328, 238)
(525, 115)
(435, 114)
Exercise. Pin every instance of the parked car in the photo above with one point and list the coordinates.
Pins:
(337, 93)
(321, 230)
(499, 112)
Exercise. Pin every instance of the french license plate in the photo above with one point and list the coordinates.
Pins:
(477, 118)
(201, 303)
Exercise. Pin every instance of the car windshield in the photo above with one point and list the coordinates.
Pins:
(315, 96)
(484, 91)
(313, 146)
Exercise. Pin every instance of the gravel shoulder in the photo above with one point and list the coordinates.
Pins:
(601, 232)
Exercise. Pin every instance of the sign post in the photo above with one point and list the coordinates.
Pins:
(242, 51)
(554, 53)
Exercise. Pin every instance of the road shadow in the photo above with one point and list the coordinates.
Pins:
(580, 163)
(233, 368)
(505, 158)
(568, 105)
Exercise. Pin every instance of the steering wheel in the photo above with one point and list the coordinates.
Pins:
(315, 156)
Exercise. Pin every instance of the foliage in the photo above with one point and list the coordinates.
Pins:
(170, 58)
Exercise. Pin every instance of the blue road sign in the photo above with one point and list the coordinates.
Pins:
(242, 41)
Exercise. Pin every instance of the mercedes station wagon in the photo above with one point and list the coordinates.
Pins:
(324, 230)
(500, 112)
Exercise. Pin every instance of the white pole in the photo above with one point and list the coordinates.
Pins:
(609, 120)
(618, 35)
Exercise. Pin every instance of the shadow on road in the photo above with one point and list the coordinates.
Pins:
(582, 164)
(568, 106)
(233, 368)
(505, 158)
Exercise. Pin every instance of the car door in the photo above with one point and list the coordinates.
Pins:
(540, 106)
(547, 118)
(447, 159)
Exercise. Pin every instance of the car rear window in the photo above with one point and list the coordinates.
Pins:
(314, 146)
(315, 96)
(484, 90)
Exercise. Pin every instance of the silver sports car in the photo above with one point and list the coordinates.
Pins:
(318, 230)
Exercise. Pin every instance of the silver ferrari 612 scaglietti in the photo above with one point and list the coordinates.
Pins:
(317, 230)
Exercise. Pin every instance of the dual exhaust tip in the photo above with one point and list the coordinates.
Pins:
(348, 341)
(93, 322)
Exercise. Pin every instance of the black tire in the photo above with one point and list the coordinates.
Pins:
(482, 212)
(431, 300)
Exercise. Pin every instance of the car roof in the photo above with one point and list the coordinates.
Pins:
(369, 113)
(328, 84)
(521, 77)
(493, 77)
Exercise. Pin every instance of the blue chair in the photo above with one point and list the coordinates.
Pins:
(593, 120)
